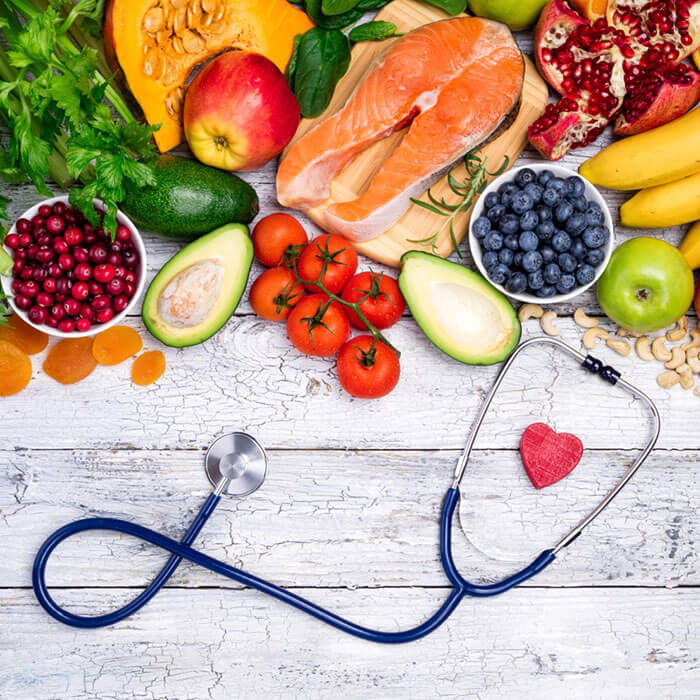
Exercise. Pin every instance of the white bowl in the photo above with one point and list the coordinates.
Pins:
(6, 280)
(590, 193)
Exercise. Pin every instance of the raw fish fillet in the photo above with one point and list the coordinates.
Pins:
(453, 81)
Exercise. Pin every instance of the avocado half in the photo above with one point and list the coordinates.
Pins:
(199, 288)
(460, 312)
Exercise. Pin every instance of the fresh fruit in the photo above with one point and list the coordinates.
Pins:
(15, 369)
(697, 299)
(609, 65)
(646, 286)
(27, 338)
(148, 368)
(458, 310)
(662, 155)
(275, 293)
(189, 199)
(590, 9)
(116, 344)
(330, 258)
(548, 456)
(156, 45)
(664, 205)
(379, 297)
(368, 369)
(199, 288)
(273, 235)
(517, 14)
(318, 326)
(690, 248)
(696, 58)
(239, 112)
(70, 360)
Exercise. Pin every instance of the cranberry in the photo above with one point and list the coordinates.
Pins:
(37, 315)
(66, 261)
(51, 322)
(115, 287)
(20, 254)
(49, 285)
(17, 267)
(105, 315)
(82, 324)
(80, 291)
(101, 302)
(57, 312)
(62, 286)
(55, 224)
(44, 299)
(30, 288)
(43, 239)
(73, 236)
(22, 302)
(32, 251)
(38, 220)
(60, 298)
(119, 303)
(82, 272)
(123, 233)
(27, 273)
(39, 274)
(71, 307)
(71, 217)
(98, 253)
(44, 254)
(95, 288)
(60, 208)
(23, 226)
(131, 258)
(44, 211)
(116, 246)
(25, 240)
(55, 270)
(129, 289)
(16, 286)
(87, 312)
(89, 238)
(80, 255)
(114, 259)
(60, 246)
(120, 272)
(12, 241)
(104, 273)
(66, 326)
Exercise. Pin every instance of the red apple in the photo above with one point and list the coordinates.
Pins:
(239, 112)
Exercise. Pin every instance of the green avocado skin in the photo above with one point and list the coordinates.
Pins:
(190, 199)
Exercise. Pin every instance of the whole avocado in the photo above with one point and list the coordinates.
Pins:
(190, 199)
(517, 14)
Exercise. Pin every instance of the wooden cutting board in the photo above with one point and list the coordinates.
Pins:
(417, 223)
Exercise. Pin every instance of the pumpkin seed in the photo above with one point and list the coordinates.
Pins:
(209, 6)
(153, 63)
(220, 12)
(177, 45)
(179, 4)
(153, 20)
(206, 20)
(194, 14)
(180, 22)
(193, 43)
(169, 74)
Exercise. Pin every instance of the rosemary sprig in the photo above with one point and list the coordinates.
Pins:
(467, 190)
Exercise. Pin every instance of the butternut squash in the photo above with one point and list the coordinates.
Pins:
(155, 44)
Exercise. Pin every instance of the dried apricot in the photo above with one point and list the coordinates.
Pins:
(15, 369)
(70, 360)
(116, 344)
(148, 368)
(21, 334)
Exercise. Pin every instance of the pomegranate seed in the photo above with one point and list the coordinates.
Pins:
(22, 302)
(115, 287)
(73, 236)
(104, 273)
(82, 324)
(66, 326)
(71, 307)
(98, 253)
(80, 291)
(26, 239)
(44, 211)
(12, 241)
(57, 312)
(49, 285)
(82, 272)
(119, 303)
(37, 315)
(44, 299)
(55, 224)
(104, 315)
(23, 226)
(60, 246)
(30, 288)
(123, 233)
(66, 261)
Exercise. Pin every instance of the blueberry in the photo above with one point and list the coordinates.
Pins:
(510, 223)
(575, 224)
(490, 260)
(545, 231)
(545, 176)
(578, 249)
(594, 215)
(481, 227)
(517, 283)
(574, 186)
(518, 259)
(535, 280)
(495, 213)
(511, 242)
(567, 262)
(552, 273)
(508, 188)
(505, 256)
(535, 192)
(594, 236)
(544, 212)
(566, 284)
(529, 221)
(499, 274)
(561, 241)
(521, 202)
(584, 274)
(551, 197)
(580, 203)
(491, 200)
(558, 184)
(524, 177)
(532, 261)
(528, 241)
(505, 200)
(546, 291)
(595, 256)
(548, 254)
(493, 241)
(562, 212)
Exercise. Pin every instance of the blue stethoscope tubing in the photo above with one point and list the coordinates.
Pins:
(460, 586)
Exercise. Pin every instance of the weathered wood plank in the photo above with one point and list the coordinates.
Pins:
(329, 518)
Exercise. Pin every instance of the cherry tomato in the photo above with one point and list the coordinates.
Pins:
(380, 300)
(275, 293)
(316, 327)
(339, 257)
(368, 372)
(274, 234)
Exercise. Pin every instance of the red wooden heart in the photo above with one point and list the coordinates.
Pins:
(548, 456)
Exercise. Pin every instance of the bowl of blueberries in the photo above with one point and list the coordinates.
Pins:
(540, 233)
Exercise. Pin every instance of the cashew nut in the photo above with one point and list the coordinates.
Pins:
(659, 349)
(687, 380)
(679, 331)
(621, 347)
(591, 336)
(677, 359)
(668, 379)
(697, 391)
(695, 340)
(547, 323)
(643, 348)
(694, 364)
(624, 333)
(528, 311)
(583, 320)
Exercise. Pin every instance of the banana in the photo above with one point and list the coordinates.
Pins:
(652, 158)
(690, 247)
(666, 205)
(696, 58)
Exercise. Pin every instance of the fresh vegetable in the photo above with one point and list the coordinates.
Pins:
(239, 112)
(318, 326)
(379, 298)
(331, 259)
(199, 288)
(148, 368)
(690, 248)
(275, 293)
(187, 199)
(625, 64)
(662, 155)
(517, 14)
(55, 99)
(70, 360)
(646, 286)
(155, 46)
(15, 369)
(27, 338)
(116, 344)
(372, 31)
(274, 236)
(664, 205)
(368, 369)
(458, 310)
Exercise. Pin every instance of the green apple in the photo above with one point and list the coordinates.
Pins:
(646, 286)
(517, 14)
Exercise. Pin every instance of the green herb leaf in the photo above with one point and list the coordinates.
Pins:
(315, 11)
(452, 7)
(292, 65)
(369, 5)
(337, 7)
(372, 31)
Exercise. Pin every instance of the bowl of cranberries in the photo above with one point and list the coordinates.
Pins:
(69, 279)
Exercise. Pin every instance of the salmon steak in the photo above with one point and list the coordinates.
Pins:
(453, 83)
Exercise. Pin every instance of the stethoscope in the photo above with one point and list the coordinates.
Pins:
(236, 465)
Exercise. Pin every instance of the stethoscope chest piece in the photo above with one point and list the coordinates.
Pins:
(236, 464)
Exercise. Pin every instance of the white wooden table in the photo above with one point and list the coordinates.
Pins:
(348, 516)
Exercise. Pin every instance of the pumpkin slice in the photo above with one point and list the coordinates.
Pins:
(157, 43)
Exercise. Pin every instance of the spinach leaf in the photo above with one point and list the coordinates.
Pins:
(322, 60)
(452, 7)
(372, 31)
(337, 7)
(292, 65)
(368, 5)
(315, 11)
